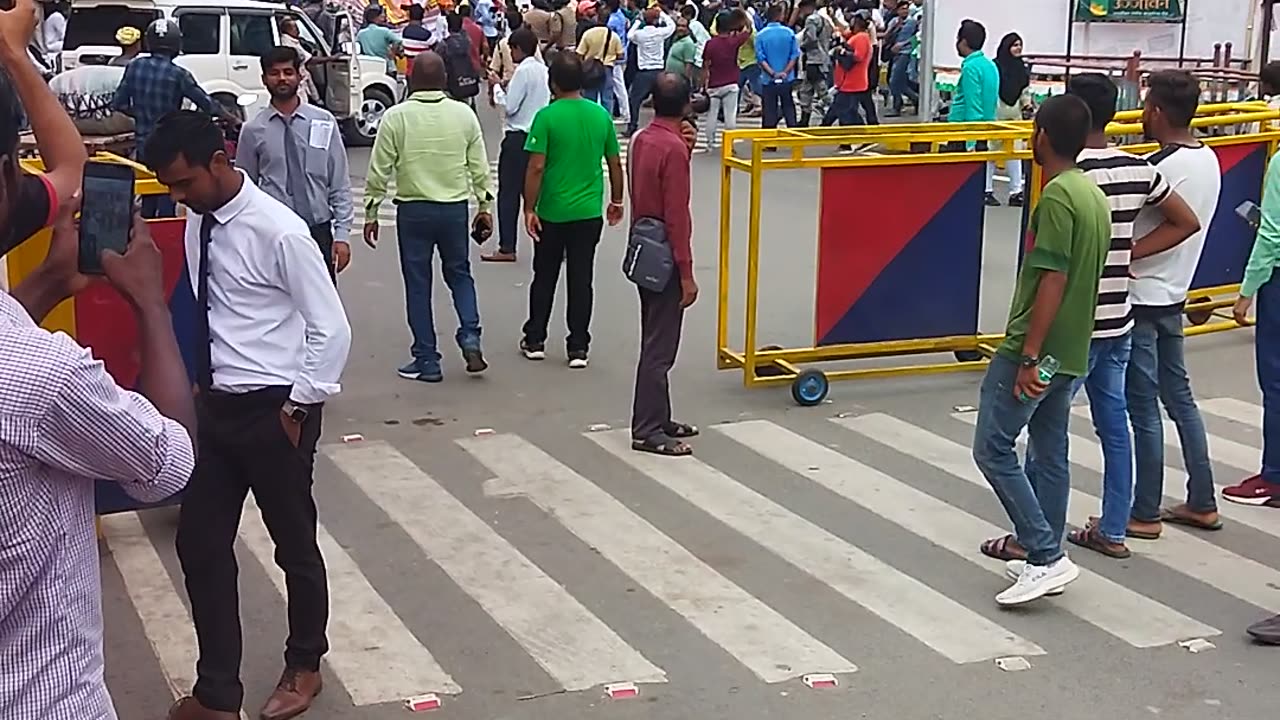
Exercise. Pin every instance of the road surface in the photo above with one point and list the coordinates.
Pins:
(516, 573)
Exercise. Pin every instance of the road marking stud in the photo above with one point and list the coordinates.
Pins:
(1196, 645)
(599, 427)
(353, 437)
(421, 703)
(619, 691)
(1015, 663)
(819, 681)
(483, 431)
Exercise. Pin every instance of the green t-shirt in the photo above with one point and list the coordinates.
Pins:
(575, 135)
(682, 51)
(1071, 227)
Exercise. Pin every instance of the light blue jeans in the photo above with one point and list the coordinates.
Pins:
(1036, 504)
(1157, 376)
(1104, 384)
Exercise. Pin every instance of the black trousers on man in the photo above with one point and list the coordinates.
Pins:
(513, 161)
(243, 447)
(661, 319)
(574, 245)
(323, 235)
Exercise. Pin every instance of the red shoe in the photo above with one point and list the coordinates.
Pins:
(1253, 491)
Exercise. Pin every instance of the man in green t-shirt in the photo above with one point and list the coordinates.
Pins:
(1050, 321)
(683, 51)
(563, 197)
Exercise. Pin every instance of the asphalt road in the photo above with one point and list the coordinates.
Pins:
(517, 573)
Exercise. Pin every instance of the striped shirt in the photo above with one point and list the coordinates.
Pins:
(1130, 183)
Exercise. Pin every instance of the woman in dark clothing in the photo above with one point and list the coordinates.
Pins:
(1015, 79)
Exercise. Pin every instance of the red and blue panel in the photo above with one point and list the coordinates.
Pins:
(1230, 239)
(909, 270)
(105, 323)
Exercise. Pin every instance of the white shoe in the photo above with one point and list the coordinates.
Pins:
(578, 361)
(1036, 581)
(1013, 569)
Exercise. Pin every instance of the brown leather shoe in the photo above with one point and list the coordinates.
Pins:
(498, 257)
(293, 694)
(189, 708)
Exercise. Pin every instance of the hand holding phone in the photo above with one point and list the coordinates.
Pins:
(138, 273)
(106, 213)
(1250, 213)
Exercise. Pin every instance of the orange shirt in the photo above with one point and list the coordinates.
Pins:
(858, 78)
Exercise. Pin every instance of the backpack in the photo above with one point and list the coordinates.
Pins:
(464, 81)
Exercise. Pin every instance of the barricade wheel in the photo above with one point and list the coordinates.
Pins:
(770, 370)
(1198, 317)
(968, 355)
(810, 388)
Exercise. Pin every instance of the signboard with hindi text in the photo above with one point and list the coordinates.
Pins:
(1140, 11)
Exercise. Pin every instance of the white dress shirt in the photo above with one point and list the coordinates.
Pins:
(650, 42)
(527, 93)
(275, 317)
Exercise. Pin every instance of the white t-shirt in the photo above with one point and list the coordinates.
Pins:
(1164, 278)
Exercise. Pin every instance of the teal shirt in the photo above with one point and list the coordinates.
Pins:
(977, 92)
(377, 41)
(1266, 248)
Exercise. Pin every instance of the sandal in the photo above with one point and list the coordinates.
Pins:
(999, 548)
(1090, 537)
(1174, 516)
(680, 430)
(662, 445)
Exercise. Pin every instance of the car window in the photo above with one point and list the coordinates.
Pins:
(97, 25)
(200, 32)
(310, 35)
(252, 34)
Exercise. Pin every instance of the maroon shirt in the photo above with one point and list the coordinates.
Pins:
(476, 36)
(720, 57)
(659, 184)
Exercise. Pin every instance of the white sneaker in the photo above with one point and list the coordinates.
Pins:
(1013, 569)
(1036, 581)
(577, 361)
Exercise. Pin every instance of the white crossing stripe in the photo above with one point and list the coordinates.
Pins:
(373, 654)
(1228, 452)
(572, 645)
(1177, 549)
(947, 627)
(756, 635)
(1112, 607)
(166, 623)
(1240, 411)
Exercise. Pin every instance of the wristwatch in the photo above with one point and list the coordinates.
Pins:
(1029, 361)
(294, 412)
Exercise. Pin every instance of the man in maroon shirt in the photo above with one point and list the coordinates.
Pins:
(476, 35)
(660, 189)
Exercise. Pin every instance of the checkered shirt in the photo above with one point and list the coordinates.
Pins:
(154, 86)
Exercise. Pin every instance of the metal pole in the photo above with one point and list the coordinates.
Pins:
(1182, 42)
(1268, 19)
(1071, 34)
(927, 73)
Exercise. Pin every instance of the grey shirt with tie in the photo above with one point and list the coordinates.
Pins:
(300, 160)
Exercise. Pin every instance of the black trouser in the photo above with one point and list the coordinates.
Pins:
(574, 244)
(323, 235)
(641, 88)
(513, 160)
(661, 318)
(243, 447)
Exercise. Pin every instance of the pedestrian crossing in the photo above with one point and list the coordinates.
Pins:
(744, 482)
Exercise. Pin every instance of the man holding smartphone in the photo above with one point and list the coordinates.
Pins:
(275, 341)
(294, 151)
(65, 422)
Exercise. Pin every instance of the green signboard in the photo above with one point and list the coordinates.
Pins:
(1149, 11)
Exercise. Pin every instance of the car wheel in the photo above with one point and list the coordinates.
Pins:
(363, 128)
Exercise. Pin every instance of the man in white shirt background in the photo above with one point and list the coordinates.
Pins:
(272, 342)
(527, 93)
(647, 38)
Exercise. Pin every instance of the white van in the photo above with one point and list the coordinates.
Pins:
(222, 44)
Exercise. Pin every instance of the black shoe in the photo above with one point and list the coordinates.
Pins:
(578, 359)
(1016, 200)
(533, 351)
(1267, 631)
(475, 360)
(804, 120)
(992, 201)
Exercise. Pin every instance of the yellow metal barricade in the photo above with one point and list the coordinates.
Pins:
(939, 250)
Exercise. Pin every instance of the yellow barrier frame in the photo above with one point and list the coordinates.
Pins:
(779, 366)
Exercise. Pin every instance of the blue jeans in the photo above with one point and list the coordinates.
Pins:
(899, 84)
(1037, 504)
(1104, 383)
(779, 104)
(602, 94)
(422, 228)
(844, 110)
(1267, 354)
(749, 77)
(1158, 376)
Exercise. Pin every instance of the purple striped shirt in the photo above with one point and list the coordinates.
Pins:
(64, 423)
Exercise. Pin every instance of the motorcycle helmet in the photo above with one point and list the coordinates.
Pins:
(163, 37)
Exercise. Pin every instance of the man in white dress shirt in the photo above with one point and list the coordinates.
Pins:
(527, 93)
(277, 341)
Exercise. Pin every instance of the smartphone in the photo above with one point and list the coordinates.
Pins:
(1251, 213)
(106, 213)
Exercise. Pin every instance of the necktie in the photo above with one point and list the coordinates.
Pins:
(295, 178)
(204, 340)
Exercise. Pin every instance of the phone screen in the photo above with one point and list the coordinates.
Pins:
(106, 214)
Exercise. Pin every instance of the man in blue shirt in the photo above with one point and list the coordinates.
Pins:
(618, 23)
(778, 51)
